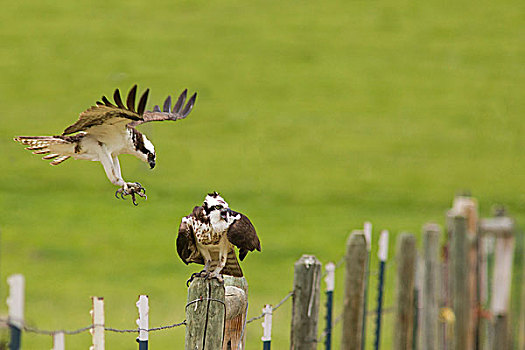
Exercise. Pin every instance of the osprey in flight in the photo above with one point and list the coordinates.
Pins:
(105, 131)
(208, 235)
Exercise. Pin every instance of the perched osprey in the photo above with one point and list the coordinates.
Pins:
(105, 131)
(208, 235)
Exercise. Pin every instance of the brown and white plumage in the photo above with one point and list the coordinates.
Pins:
(209, 234)
(106, 130)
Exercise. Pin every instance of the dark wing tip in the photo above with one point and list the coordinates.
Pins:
(180, 102)
(167, 105)
(118, 99)
(142, 103)
(189, 105)
(130, 101)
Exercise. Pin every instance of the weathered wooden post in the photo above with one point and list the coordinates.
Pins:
(305, 309)
(15, 302)
(459, 273)
(521, 329)
(406, 269)
(503, 229)
(431, 236)
(97, 332)
(205, 315)
(355, 266)
(466, 264)
(236, 297)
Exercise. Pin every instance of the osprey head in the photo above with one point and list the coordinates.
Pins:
(216, 207)
(145, 149)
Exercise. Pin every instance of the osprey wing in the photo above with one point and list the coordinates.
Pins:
(179, 110)
(242, 234)
(110, 114)
(186, 247)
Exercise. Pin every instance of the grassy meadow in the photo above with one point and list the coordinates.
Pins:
(311, 118)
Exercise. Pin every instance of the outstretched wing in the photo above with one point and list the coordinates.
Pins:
(186, 247)
(179, 111)
(242, 234)
(106, 113)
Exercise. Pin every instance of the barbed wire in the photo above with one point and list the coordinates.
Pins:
(273, 308)
(32, 329)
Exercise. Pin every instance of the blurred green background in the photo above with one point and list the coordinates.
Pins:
(312, 117)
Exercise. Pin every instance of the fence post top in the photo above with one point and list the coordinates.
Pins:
(357, 237)
(330, 276)
(367, 230)
(406, 238)
(431, 227)
(382, 252)
(308, 260)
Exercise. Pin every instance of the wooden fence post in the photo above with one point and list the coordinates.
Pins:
(236, 298)
(431, 236)
(467, 207)
(459, 273)
(97, 314)
(355, 266)
(15, 302)
(406, 255)
(143, 322)
(521, 329)
(306, 297)
(205, 314)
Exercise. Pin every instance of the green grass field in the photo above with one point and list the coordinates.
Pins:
(312, 117)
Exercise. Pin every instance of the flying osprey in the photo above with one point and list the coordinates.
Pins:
(208, 235)
(105, 131)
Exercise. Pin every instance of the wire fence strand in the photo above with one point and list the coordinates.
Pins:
(273, 309)
(35, 330)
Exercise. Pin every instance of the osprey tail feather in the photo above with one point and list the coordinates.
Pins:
(45, 145)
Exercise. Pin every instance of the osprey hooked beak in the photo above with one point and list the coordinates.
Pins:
(224, 213)
(151, 161)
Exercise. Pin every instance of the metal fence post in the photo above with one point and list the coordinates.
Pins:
(97, 314)
(330, 286)
(383, 256)
(267, 327)
(15, 302)
(143, 322)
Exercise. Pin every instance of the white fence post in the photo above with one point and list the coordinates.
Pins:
(267, 327)
(143, 321)
(15, 301)
(59, 342)
(97, 332)
(367, 230)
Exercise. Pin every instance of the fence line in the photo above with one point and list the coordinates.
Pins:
(35, 330)
(500, 228)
